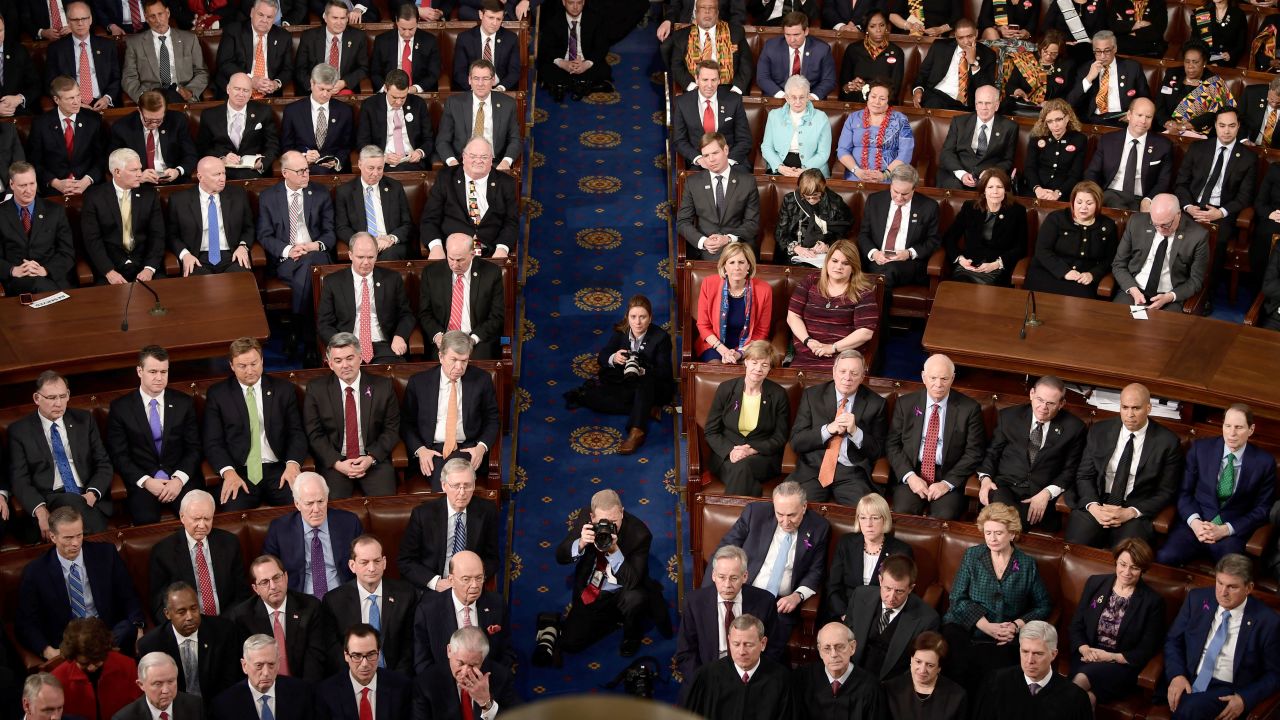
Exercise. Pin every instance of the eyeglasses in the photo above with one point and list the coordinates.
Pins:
(268, 582)
(470, 579)
(476, 156)
(358, 658)
(299, 171)
(55, 398)
(1104, 51)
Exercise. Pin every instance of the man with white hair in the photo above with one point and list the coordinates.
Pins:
(834, 686)
(704, 625)
(313, 542)
(158, 678)
(322, 130)
(1163, 257)
(469, 678)
(206, 558)
(267, 693)
(1034, 690)
(977, 142)
(42, 697)
(121, 224)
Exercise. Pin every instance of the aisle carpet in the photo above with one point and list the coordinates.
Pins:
(598, 236)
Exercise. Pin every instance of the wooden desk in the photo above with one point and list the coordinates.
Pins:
(82, 334)
(1177, 356)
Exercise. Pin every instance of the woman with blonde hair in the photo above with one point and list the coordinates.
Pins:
(748, 424)
(860, 553)
(734, 308)
(1055, 152)
(832, 310)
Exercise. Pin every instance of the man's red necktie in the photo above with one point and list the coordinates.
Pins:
(795, 62)
(69, 136)
(26, 221)
(333, 53)
(592, 590)
(891, 240)
(352, 429)
(366, 708)
(151, 150)
(928, 460)
(708, 118)
(406, 61)
(468, 711)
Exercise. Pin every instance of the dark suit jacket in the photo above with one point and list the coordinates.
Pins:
(425, 57)
(632, 575)
(20, 77)
(435, 692)
(100, 226)
(63, 58)
(273, 219)
(1157, 173)
(1255, 667)
(1270, 277)
(1253, 113)
(817, 408)
(423, 549)
(698, 643)
(299, 131)
(769, 436)
(323, 415)
(457, 119)
(864, 609)
(235, 54)
(293, 697)
(699, 217)
(436, 620)
(313, 49)
(187, 219)
(937, 64)
(681, 11)
(962, 447)
(553, 42)
(11, 149)
(446, 211)
(31, 468)
(171, 562)
(1005, 692)
(731, 121)
(49, 244)
(487, 304)
(349, 209)
(132, 447)
(218, 656)
(47, 149)
(258, 138)
(654, 356)
(393, 697)
(773, 69)
(312, 643)
(1188, 265)
(845, 575)
(417, 125)
(288, 534)
(762, 9)
(184, 707)
(922, 226)
(506, 58)
(1159, 468)
(174, 139)
(1248, 505)
(1056, 463)
(1141, 631)
(479, 409)
(399, 604)
(753, 532)
(957, 153)
(673, 52)
(226, 423)
(1131, 80)
(44, 608)
(1239, 176)
(338, 312)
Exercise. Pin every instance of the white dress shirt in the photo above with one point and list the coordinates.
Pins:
(1139, 439)
(366, 603)
(900, 243)
(58, 480)
(303, 234)
(1117, 182)
(487, 104)
(342, 394)
(268, 455)
(208, 561)
(356, 689)
(442, 408)
(711, 183)
(1148, 265)
(771, 558)
(390, 146)
(1113, 89)
(375, 328)
(173, 63)
(1215, 194)
(737, 613)
(146, 412)
(377, 208)
(1225, 664)
(270, 694)
(266, 53)
(204, 226)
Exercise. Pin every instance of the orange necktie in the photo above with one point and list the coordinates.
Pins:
(1270, 126)
(259, 62)
(827, 473)
(1104, 89)
(451, 421)
(962, 94)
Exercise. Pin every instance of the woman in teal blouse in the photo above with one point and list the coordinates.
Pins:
(797, 136)
(996, 591)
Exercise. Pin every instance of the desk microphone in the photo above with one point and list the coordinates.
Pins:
(1029, 315)
(124, 322)
(159, 310)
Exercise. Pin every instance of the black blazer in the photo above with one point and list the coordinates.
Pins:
(1159, 475)
(479, 409)
(731, 121)
(770, 434)
(1008, 235)
(634, 540)
(313, 49)
(235, 54)
(63, 58)
(1170, 93)
(399, 603)
(857, 62)
(446, 210)
(654, 356)
(1020, 14)
(174, 138)
(762, 9)
(553, 41)
(864, 609)
(100, 227)
(436, 697)
(1157, 170)
(218, 657)
(817, 408)
(962, 448)
(31, 467)
(681, 12)
(258, 138)
(1005, 692)
(417, 125)
(273, 218)
(226, 423)
(922, 226)
(1253, 114)
(11, 149)
(698, 215)
(957, 154)
(312, 643)
(1056, 463)
(698, 643)
(1057, 164)
(299, 132)
(293, 697)
(436, 620)
(185, 706)
(393, 697)
(338, 312)
(937, 64)
(47, 149)
(506, 58)
(1271, 276)
(49, 243)
(132, 447)
(44, 608)
(1149, 40)
(1131, 80)
(187, 219)
(845, 574)
(1239, 176)
(1142, 631)
(487, 304)
(323, 416)
(423, 549)
(673, 52)
(348, 209)
(20, 77)
(170, 561)
(425, 57)
(859, 696)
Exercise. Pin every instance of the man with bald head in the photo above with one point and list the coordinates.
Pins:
(466, 604)
(1163, 257)
(471, 285)
(936, 440)
(834, 686)
(475, 199)
(1135, 165)
(210, 228)
(241, 131)
(1130, 471)
(976, 142)
(206, 558)
(370, 302)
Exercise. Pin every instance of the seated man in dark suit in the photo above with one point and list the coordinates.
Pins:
(1130, 471)
(210, 228)
(313, 543)
(466, 603)
(744, 683)
(1133, 166)
(260, 48)
(888, 618)
(355, 691)
(19, 88)
(161, 138)
(1105, 89)
(442, 527)
(322, 130)
(42, 697)
(70, 52)
(1034, 456)
(202, 646)
(43, 257)
(843, 417)
(475, 199)
(202, 556)
(1034, 689)
(370, 301)
(789, 564)
(267, 687)
(64, 170)
(1226, 493)
(571, 52)
(1204, 681)
(297, 621)
(57, 459)
(154, 444)
(711, 608)
(683, 12)
(240, 131)
(488, 40)
(253, 436)
(977, 142)
(398, 124)
(836, 686)
(479, 114)
(1163, 257)
(711, 109)
(899, 231)
(477, 425)
(1270, 316)
(611, 583)
(386, 604)
(709, 37)
(342, 47)
(352, 447)
(158, 678)
(407, 48)
(375, 205)
(472, 286)
(470, 677)
(720, 205)
(935, 442)
(1259, 115)
(954, 69)
(796, 53)
(122, 226)
(74, 579)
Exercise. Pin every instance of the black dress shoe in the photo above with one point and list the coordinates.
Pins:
(629, 647)
(573, 399)
(556, 92)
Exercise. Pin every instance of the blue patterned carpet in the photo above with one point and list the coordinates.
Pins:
(598, 236)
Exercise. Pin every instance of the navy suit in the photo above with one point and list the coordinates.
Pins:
(311, 642)
(480, 418)
(506, 58)
(436, 621)
(288, 535)
(293, 698)
(63, 58)
(698, 643)
(399, 603)
(134, 455)
(173, 139)
(226, 436)
(425, 59)
(44, 608)
(773, 69)
(393, 696)
(273, 233)
(235, 54)
(47, 149)
(1157, 165)
(1256, 666)
(299, 133)
(1245, 510)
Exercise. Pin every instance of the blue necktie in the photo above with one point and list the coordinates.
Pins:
(780, 564)
(157, 435)
(75, 591)
(459, 534)
(375, 620)
(61, 461)
(1216, 643)
(370, 215)
(215, 240)
(319, 573)
(266, 713)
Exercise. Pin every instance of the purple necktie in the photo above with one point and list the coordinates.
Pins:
(319, 578)
(573, 40)
(157, 435)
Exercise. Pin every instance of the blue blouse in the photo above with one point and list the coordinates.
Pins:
(899, 143)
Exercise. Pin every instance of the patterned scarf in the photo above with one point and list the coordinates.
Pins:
(724, 51)
(916, 9)
(866, 140)
(874, 50)
(1211, 96)
(1001, 8)
(1032, 72)
(1139, 9)
(724, 313)
(1265, 43)
(1203, 20)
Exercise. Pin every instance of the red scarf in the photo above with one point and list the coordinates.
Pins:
(866, 140)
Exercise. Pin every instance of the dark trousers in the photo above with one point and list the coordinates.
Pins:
(400, 251)
(95, 518)
(1182, 546)
(586, 624)
(145, 508)
(481, 473)
(19, 285)
(847, 488)
(950, 181)
(1082, 529)
(948, 507)
(616, 395)
(1051, 522)
(297, 274)
(225, 264)
(1125, 298)
(1270, 322)
(379, 480)
(748, 475)
(1122, 200)
(383, 355)
(971, 660)
(1204, 705)
(130, 272)
(589, 81)
(903, 272)
(267, 492)
(939, 100)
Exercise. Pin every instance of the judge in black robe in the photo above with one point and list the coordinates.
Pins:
(1008, 693)
(719, 692)
(818, 697)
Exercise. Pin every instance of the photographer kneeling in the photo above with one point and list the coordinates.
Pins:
(611, 581)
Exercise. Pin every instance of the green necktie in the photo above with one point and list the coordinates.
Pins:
(254, 463)
(1226, 484)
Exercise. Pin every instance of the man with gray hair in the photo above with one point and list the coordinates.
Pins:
(470, 678)
(442, 527)
(267, 693)
(1034, 690)
(743, 684)
(42, 697)
(376, 204)
(1260, 114)
(1163, 257)
(899, 232)
(704, 624)
(261, 48)
(158, 678)
(1105, 88)
(369, 302)
(314, 541)
(977, 142)
(323, 131)
(121, 224)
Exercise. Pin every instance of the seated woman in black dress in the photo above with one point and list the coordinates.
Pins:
(1055, 152)
(923, 693)
(748, 424)
(859, 554)
(812, 218)
(1140, 26)
(1033, 78)
(989, 235)
(1224, 28)
(1075, 247)
(874, 58)
(1009, 19)
(1178, 86)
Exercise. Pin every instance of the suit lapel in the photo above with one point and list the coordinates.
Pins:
(366, 409)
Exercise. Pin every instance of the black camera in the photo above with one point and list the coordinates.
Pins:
(632, 370)
(545, 640)
(606, 530)
(638, 678)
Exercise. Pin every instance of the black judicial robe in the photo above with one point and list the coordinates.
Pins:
(1006, 695)
(718, 693)
(858, 699)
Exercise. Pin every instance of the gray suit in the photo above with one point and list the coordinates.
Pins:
(699, 217)
(958, 154)
(1188, 261)
(864, 614)
(142, 65)
(458, 120)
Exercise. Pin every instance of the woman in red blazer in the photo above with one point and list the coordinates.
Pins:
(96, 680)
(734, 308)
